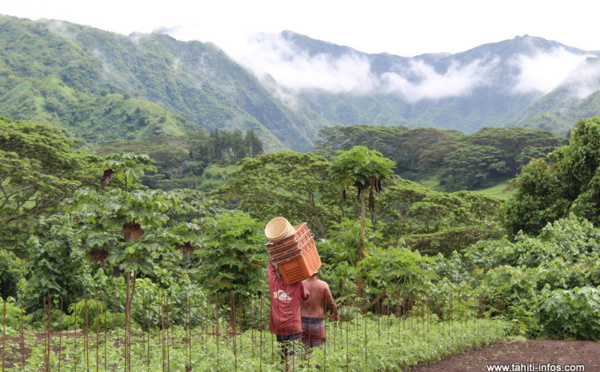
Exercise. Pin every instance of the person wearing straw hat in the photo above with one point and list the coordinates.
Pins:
(313, 312)
(284, 319)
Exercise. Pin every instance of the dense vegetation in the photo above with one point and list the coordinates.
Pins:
(445, 160)
(457, 161)
(102, 86)
(141, 168)
(187, 161)
(567, 183)
(78, 226)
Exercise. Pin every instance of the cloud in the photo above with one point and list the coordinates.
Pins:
(296, 70)
(543, 72)
(458, 80)
(268, 54)
(585, 78)
(289, 69)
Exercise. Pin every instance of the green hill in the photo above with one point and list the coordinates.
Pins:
(100, 86)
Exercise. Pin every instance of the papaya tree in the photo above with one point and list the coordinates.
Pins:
(364, 170)
(126, 228)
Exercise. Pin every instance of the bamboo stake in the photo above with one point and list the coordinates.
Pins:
(86, 347)
(347, 347)
(97, 314)
(23, 336)
(217, 320)
(189, 332)
(233, 325)
(325, 346)
(206, 332)
(423, 314)
(75, 338)
(240, 299)
(116, 311)
(48, 332)
(335, 327)
(162, 331)
(272, 348)
(168, 335)
(105, 332)
(452, 315)
(261, 329)
(252, 326)
(59, 333)
(366, 339)
(4, 335)
(45, 332)
(126, 337)
(148, 325)
(378, 318)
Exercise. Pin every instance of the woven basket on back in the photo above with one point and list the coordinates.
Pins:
(279, 228)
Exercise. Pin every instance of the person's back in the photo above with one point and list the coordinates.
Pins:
(313, 312)
(319, 296)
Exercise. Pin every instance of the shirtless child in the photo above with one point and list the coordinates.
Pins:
(313, 312)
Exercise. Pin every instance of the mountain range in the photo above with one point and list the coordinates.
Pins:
(100, 86)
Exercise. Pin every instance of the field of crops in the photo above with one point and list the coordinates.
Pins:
(362, 343)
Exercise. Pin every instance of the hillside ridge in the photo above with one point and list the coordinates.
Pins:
(101, 86)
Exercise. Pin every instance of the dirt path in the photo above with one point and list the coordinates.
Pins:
(528, 356)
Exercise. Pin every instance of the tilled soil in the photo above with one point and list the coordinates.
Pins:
(527, 356)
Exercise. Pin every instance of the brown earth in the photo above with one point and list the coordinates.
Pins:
(522, 356)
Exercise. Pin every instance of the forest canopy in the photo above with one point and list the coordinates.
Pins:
(457, 161)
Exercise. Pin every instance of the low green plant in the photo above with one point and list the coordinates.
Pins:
(12, 316)
(366, 343)
(573, 313)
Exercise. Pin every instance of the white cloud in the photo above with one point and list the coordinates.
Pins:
(543, 72)
(585, 79)
(295, 69)
(271, 55)
(456, 81)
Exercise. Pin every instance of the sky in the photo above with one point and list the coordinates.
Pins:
(406, 28)
(402, 27)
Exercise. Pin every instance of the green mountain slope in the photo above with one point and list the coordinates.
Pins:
(481, 87)
(103, 86)
(100, 85)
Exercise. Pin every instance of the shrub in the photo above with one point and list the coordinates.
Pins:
(573, 313)
(15, 316)
(11, 273)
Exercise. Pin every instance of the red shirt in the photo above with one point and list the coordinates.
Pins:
(285, 305)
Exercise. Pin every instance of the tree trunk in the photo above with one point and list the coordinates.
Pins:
(361, 245)
(361, 236)
(127, 320)
(368, 306)
(362, 213)
(129, 291)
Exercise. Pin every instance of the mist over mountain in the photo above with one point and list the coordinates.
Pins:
(499, 84)
(100, 85)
